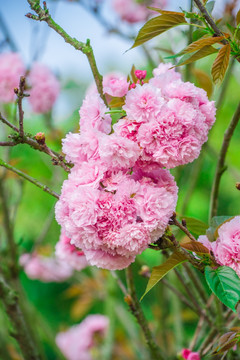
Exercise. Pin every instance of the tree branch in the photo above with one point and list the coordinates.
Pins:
(57, 159)
(132, 300)
(221, 162)
(85, 48)
(29, 178)
(20, 328)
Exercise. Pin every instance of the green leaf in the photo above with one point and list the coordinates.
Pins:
(225, 284)
(158, 272)
(209, 6)
(157, 26)
(198, 34)
(116, 102)
(200, 54)
(195, 226)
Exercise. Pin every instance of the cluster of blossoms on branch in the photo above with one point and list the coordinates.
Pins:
(226, 246)
(42, 85)
(80, 341)
(133, 11)
(119, 196)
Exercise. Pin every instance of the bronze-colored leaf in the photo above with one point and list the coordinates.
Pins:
(157, 26)
(238, 17)
(221, 63)
(165, 11)
(116, 102)
(196, 247)
(199, 44)
(132, 72)
(200, 54)
(158, 272)
(204, 81)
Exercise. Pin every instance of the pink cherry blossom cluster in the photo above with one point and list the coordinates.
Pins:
(118, 198)
(133, 11)
(77, 342)
(44, 87)
(226, 247)
(190, 355)
(54, 269)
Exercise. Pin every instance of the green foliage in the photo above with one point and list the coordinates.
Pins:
(225, 284)
(196, 226)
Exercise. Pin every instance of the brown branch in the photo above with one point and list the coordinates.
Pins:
(209, 20)
(57, 159)
(181, 226)
(20, 94)
(29, 178)
(221, 162)
(132, 300)
(20, 328)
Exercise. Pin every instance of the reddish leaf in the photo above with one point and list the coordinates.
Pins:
(221, 63)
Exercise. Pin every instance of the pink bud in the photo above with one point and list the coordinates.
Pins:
(40, 137)
(141, 74)
(186, 353)
(132, 86)
(194, 356)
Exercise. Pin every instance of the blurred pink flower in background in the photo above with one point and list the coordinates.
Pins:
(11, 68)
(45, 88)
(77, 342)
(46, 269)
(190, 355)
(134, 11)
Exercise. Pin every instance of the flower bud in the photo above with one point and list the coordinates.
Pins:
(238, 186)
(141, 74)
(132, 86)
(128, 300)
(40, 137)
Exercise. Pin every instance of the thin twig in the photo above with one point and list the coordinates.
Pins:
(9, 230)
(85, 48)
(57, 159)
(20, 94)
(156, 353)
(209, 20)
(221, 162)
(29, 178)
(174, 221)
(120, 283)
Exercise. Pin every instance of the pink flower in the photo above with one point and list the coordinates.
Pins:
(45, 88)
(107, 260)
(227, 245)
(118, 152)
(189, 355)
(11, 69)
(185, 353)
(93, 114)
(69, 254)
(82, 147)
(115, 84)
(45, 268)
(115, 221)
(141, 74)
(143, 103)
(76, 343)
